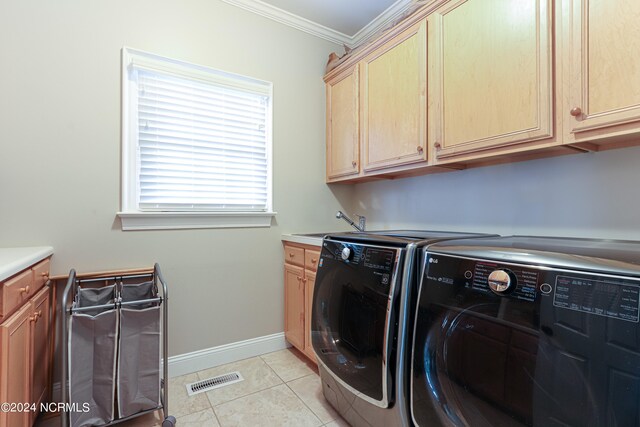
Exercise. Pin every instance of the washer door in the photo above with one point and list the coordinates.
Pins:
(350, 317)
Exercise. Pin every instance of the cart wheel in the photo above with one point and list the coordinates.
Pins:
(169, 421)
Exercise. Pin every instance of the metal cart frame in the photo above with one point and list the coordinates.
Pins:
(70, 288)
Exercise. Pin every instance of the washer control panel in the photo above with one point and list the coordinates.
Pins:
(377, 258)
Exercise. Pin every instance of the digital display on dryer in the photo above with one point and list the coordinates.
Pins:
(610, 299)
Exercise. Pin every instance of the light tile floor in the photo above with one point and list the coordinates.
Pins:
(279, 389)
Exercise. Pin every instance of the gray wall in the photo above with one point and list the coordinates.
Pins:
(582, 195)
(60, 151)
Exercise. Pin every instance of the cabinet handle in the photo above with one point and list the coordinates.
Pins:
(290, 254)
(313, 260)
(420, 149)
(45, 276)
(24, 290)
(576, 112)
(33, 318)
(304, 280)
(39, 313)
(354, 164)
(437, 145)
(299, 278)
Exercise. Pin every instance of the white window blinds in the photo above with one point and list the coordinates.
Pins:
(203, 141)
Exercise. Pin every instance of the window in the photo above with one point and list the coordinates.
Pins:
(196, 146)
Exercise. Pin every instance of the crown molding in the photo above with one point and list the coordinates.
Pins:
(282, 16)
(380, 22)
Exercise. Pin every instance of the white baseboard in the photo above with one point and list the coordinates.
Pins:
(195, 361)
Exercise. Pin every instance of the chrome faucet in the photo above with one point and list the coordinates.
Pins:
(361, 221)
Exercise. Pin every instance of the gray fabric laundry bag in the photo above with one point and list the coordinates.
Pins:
(139, 353)
(92, 358)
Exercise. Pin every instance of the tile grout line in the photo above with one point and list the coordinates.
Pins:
(334, 410)
(295, 379)
(305, 403)
(215, 415)
(273, 370)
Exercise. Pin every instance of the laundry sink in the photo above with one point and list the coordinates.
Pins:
(317, 235)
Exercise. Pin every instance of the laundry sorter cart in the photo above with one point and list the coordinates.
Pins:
(114, 334)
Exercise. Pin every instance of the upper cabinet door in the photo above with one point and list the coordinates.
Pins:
(490, 75)
(343, 129)
(393, 94)
(603, 70)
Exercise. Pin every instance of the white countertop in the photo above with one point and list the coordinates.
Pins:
(302, 239)
(14, 260)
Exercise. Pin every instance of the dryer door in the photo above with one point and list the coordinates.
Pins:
(474, 352)
(560, 349)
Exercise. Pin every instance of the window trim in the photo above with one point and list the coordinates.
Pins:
(133, 218)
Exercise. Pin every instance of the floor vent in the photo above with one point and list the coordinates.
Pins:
(213, 383)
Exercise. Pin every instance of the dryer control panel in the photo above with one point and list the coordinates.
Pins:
(597, 294)
(523, 283)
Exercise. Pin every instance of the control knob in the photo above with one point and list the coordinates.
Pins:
(501, 281)
(346, 253)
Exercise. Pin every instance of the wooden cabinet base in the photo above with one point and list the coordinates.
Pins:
(299, 280)
(25, 349)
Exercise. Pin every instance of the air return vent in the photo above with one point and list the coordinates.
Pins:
(213, 383)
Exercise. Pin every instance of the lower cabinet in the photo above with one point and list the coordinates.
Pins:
(294, 305)
(24, 359)
(308, 304)
(39, 351)
(15, 335)
(300, 266)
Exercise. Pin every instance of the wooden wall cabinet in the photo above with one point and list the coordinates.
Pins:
(394, 104)
(505, 81)
(602, 70)
(377, 108)
(24, 346)
(343, 124)
(490, 75)
(301, 262)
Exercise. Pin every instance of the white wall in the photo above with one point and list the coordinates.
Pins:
(60, 151)
(582, 195)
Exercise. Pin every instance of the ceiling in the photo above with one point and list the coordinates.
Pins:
(345, 22)
(346, 17)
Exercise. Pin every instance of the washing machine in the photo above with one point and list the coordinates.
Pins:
(527, 331)
(360, 318)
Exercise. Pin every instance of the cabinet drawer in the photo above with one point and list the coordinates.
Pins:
(15, 291)
(311, 259)
(40, 275)
(294, 255)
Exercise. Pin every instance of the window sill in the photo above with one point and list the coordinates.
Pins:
(190, 220)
